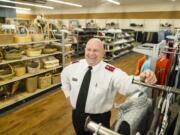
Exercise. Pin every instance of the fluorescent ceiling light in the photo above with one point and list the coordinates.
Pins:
(27, 4)
(4, 6)
(113, 1)
(65, 3)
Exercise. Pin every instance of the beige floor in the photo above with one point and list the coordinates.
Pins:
(51, 114)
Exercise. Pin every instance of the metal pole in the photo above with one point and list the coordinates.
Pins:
(159, 87)
(98, 128)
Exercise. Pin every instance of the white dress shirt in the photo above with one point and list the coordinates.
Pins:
(106, 81)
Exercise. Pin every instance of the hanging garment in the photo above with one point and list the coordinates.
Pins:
(162, 70)
(173, 116)
(139, 36)
(139, 64)
(177, 128)
(173, 73)
(167, 33)
(157, 112)
(155, 38)
(146, 65)
(161, 36)
(165, 120)
(132, 116)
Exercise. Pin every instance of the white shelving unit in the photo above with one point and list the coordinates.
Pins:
(82, 37)
(117, 43)
(12, 101)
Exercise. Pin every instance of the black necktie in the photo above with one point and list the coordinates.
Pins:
(83, 92)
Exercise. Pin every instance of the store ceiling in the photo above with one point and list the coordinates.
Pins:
(97, 3)
(93, 3)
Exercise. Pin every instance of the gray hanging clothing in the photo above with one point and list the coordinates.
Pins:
(131, 115)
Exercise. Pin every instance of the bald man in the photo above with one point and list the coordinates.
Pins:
(90, 85)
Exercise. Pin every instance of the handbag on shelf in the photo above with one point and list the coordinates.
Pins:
(56, 78)
(33, 67)
(33, 52)
(50, 62)
(37, 37)
(6, 39)
(19, 68)
(44, 81)
(15, 87)
(22, 35)
(5, 91)
(6, 72)
(49, 49)
(12, 53)
(31, 84)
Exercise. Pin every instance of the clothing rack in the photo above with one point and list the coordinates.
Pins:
(98, 129)
(170, 52)
(159, 87)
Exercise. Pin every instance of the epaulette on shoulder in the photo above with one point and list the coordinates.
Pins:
(110, 68)
(73, 62)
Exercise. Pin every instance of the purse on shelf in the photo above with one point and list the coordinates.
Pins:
(5, 91)
(19, 68)
(50, 62)
(12, 53)
(29, 81)
(56, 78)
(33, 67)
(33, 52)
(6, 72)
(49, 49)
(6, 39)
(15, 87)
(22, 35)
(44, 81)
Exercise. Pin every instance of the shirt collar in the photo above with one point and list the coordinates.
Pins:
(94, 68)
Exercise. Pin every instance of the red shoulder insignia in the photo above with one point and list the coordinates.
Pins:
(110, 68)
(74, 61)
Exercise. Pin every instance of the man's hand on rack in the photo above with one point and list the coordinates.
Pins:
(148, 76)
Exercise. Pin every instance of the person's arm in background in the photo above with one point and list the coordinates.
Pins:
(66, 86)
(122, 82)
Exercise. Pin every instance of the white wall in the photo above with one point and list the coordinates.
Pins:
(107, 9)
(149, 24)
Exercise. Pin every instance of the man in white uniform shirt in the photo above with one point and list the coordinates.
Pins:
(105, 81)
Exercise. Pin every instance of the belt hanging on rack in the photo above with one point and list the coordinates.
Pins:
(158, 87)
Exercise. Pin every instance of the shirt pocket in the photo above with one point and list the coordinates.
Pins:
(74, 82)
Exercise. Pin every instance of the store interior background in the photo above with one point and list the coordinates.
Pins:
(46, 114)
(150, 13)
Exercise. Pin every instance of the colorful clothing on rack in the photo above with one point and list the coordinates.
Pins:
(162, 70)
(139, 64)
(146, 65)
(133, 115)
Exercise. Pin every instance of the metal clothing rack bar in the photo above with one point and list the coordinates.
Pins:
(159, 87)
(98, 129)
(170, 52)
